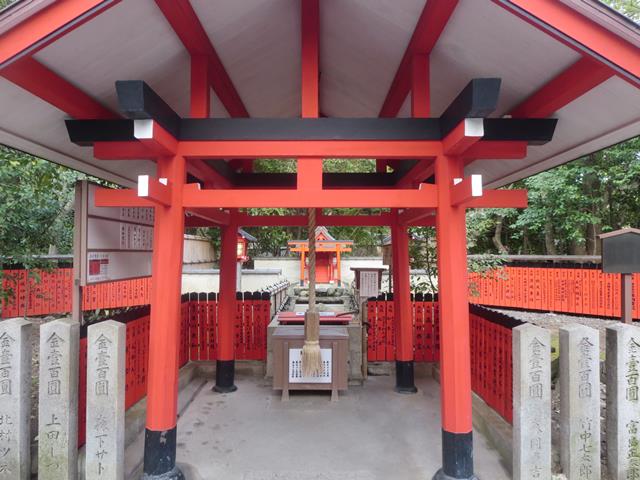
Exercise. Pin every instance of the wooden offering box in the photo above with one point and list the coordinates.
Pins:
(287, 375)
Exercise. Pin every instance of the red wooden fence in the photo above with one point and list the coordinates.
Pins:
(566, 288)
(491, 358)
(491, 364)
(51, 293)
(381, 329)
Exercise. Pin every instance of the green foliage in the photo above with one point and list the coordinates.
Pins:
(423, 255)
(568, 206)
(629, 8)
(36, 208)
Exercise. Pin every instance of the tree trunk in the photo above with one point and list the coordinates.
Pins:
(549, 239)
(577, 248)
(497, 236)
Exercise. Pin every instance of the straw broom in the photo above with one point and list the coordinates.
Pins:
(311, 356)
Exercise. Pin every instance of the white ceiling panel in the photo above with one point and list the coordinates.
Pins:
(258, 42)
(361, 48)
(606, 115)
(36, 127)
(362, 43)
(130, 41)
(484, 40)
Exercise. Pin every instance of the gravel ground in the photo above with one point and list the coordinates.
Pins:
(553, 321)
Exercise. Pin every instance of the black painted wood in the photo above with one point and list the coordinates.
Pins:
(87, 132)
(310, 129)
(535, 131)
(478, 99)
(329, 180)
(139, 101)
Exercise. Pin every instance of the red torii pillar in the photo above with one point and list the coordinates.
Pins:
(455, 345)
(405, 382)
(164, 330)
(225, 362)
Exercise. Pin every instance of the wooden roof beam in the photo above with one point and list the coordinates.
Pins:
(572, 83)
(189, 29)
(579, 33)
(431, 24)
(46, 26)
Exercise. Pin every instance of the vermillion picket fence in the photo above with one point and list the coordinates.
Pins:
(381, 329)
(491, 363)
(51, 293)
(198, 340)
(566, 288)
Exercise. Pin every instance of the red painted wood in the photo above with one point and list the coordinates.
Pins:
(431, 24)
(47, 25)
(580, 33)
(42, 82)
(186, 24)
(575, 81)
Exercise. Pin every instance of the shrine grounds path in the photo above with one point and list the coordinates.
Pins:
(371, 433)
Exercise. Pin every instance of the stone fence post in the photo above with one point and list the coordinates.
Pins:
(531, 403)
(15, 399)
(58, 400)
(580, 402)
(106, 342)
(623, 401)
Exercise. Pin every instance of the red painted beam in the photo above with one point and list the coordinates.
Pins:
(32, 76)
(200, 87)
(420, 87)
(417, 215)
(470, 188)
(309, 171)
(310, 52)
(580, 33)
(151, 134)
(431, 24)
(488, 149)
(500, 199)
(310, 149)
(326, 220)
(187, 26)
(468, 133)
(256, 198)
(214, 216)
(108, 197)
(211, 177)
(569, 85)
(154, 190)
(46, 26)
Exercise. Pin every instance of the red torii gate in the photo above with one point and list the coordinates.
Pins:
(188, 155)
(462, 134)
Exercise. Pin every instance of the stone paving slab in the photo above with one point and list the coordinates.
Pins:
(371, 433)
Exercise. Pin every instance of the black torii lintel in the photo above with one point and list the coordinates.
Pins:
(477, 100)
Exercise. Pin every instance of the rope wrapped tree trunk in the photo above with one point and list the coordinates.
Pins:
(311, 356)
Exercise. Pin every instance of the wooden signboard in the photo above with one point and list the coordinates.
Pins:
(369, 283)
(111, 243)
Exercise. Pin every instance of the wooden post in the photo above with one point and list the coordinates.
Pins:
(164, 334)
(405, 382)
(455, 361)
(338, 267)
(626, 297)
(225, 363)
(302, 267)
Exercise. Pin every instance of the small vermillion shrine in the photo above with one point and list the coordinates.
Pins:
(328, 255)
(174, 100)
